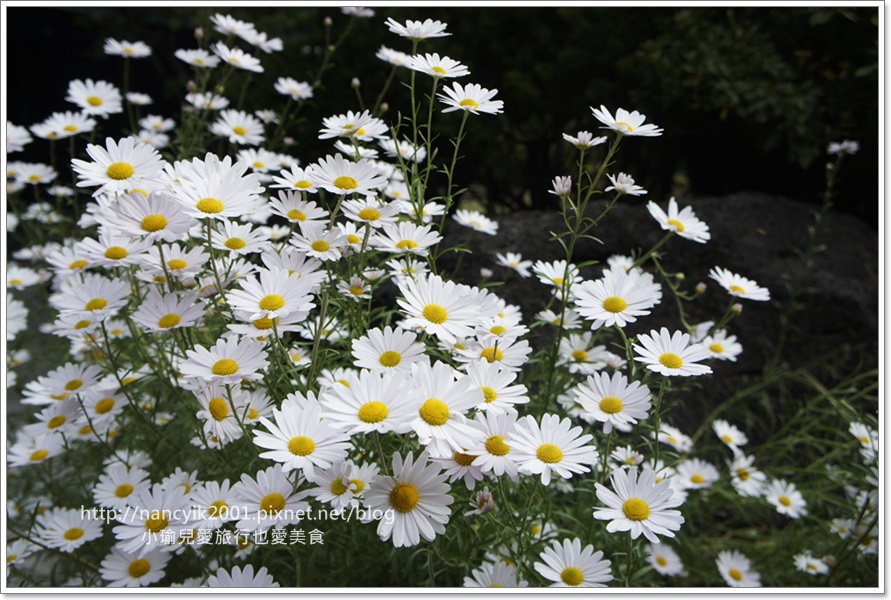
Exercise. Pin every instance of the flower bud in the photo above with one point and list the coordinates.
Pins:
(199, 33)
(191, 86)
(328, 22)
(384, 107)
(736, 309)
(830, 560)
(288, 141)
(355, 83)
(701, 287)
(680, 276)
(486, 273)
(483, 503)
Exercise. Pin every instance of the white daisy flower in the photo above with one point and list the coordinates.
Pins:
(138, 99)
(739, 286)
(493, 453)
(260, 160)
(17, 137)
(340, 176)
(494, 380)
(300, 439)
(148, 513)
(229, 361)
(126, 49)
(786, 498)
(806, 563)
(98, 98)
(269, 500)
(67, 529)
(207, 101)
(567, 564)
(746, 479)
(237, 58)
(496, 574)
(371, 211)
(584, 140)
(158, 217)
(729, 434)
(576, 352)
(197, 58)
(118, 483)
(441, 308)
(29, 450)
(160, 312)
(114, 250)
(476, 221)
(18, 551)
(515, 261)
(722, 346)
(509, 353)
(418, 30)
(552, 447)
(239, 127)
(460, 465)
(639, 505)
(238, 240)
(406, 238)
(415, 500)
(684, 222)
(664, 560)
(18, 278)
(119, 167)
(242, 578)
(696, 474)
(127, 569)
(626, 123)
(394, 57)
(273, 294)
(297, 90)
(471, 98)
(441, 400)
(671, 354)
(371, 402)
(387, 349)
(404, 149)
(624, 184)
(736, 569)
(674, 438)
(63, 125)
(554, 273)
(612, 401)
(438, 67)
(262, 41)
(214, 188)
(343, 484)
(296, 179)
(319, 242)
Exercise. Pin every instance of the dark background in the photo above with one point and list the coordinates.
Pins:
(748, 97)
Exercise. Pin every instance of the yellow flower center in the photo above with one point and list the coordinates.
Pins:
(671, 360)
(176, 264)
(373, 412)
(660, 560)
(70, 128)
(628, 127)
(239, 130)
(138, 568)
(580, 356)
(557, 280)
(320, 246)
(259, 165)
(75, 533)
(356, 290)
(94, 101)
(390, 358)
(716, 348)
(492, 354)
(39, 455)
(104, 405)
(153, 223)
(611, 405)
(169, 320)
(436, 314)
(407, 245)
(34, 177)
(438, 69)
(727, 438)
(360, 485)
(735, 574)
(296, 215)
(489, 394)
(434, 412)
(469, 102)
(497, 330)
(116, 253)
(78, 264)
(338, 488)
(784, 500)
(353, 239)
(218, 408)
(253, 414)
(345, 182)
(272, 503)
(156, 521)
(614, 304)
(272, 302)
(303, 184)
(679, 227)
(235, 243)
(404, 497)
(56, 422)
(119, 170)
(549, 453)
(216, 508)
(572, 576)
(369, 214)
(495, 446)
(224, 367)
(15, 282)
(462, 459)
(74, 384)
(737, 289)
(743, 474)
(697, 478)
(209, 206)
(301, 446)
(636, 509)
(266, 323)
(123, 490)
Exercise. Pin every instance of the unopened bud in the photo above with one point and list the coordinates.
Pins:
(830, 560)
(486, 273)
(700, 288)
(191, 86)
(328, 22)
(680, 276)
(356, 83)
(199, 33)
(483, 503)
(384, 107)
(736, 309)
(331, 47)
(288, 141)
